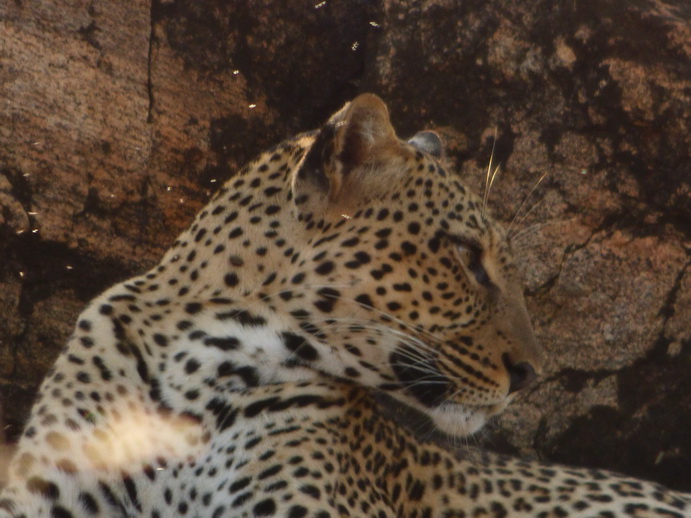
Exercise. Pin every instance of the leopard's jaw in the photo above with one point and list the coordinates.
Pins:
(463, 420)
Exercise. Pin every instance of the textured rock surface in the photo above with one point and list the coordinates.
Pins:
(118, 119)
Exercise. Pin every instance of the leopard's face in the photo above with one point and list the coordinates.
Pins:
(404, 280)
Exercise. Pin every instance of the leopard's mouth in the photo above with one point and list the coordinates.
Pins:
(461, 420)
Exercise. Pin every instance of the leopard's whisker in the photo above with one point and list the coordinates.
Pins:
(520, 237)
(489, 177)
(529, 211)
(520, 207)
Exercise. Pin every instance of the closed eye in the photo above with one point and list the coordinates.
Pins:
(472, 252)
(477, 268)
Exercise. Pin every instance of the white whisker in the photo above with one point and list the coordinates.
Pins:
(508, 230)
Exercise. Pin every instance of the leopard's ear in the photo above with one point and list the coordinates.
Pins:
(429, 142)
(351, 155)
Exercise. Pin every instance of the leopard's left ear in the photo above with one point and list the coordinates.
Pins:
(353, 154)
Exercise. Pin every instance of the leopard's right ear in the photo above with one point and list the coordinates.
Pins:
(429, 142)
(350, 157)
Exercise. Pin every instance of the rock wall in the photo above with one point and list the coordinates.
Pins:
(118, 119)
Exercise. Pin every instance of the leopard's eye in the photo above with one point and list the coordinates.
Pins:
(472, 252)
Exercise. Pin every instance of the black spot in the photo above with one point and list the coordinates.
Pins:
(258, 407)
(324, 305)
(351, 372)
(142, 368)
(351, 242)
(265, 508)
(131, 488)
(270, 191)
(393, 306)
(75, 359)
(60, 512)
(191, 366)
(325, 268)
(184, 325)
(227, 343)
(196, 335)
(88, 503)
(231, 279)
(408, 248)
(303, 401)
(286, 295)
(297, 511)
(160, 340)
(106, 374)
(247, 374)
(236, 232)
(329, 298)
(417, 490)
(272, 209)
(434, 244)
(43, 487)
(364, 300)
(108, 494)
(236, 260)
(243, 317)
(200, 235)
(299, 346)
(271, 278)
(240, 484)
(298, 278)
(311, 490)
(253, 442)
(150, 472)
(376, 274)
(276, 486)
(85, 325)
(363, 257)
(269, 472)
(106, 309)
(193, 308)
(192, 395)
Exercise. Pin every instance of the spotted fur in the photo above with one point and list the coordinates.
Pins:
(236, 377)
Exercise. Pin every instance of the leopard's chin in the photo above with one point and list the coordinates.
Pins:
(462, 420)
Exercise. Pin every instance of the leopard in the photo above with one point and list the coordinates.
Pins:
(240, 376)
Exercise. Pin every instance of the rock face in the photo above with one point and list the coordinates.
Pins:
(118, 119)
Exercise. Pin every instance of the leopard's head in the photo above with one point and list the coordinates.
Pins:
(403, 280)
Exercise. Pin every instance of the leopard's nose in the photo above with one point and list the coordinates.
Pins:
(521, 374)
